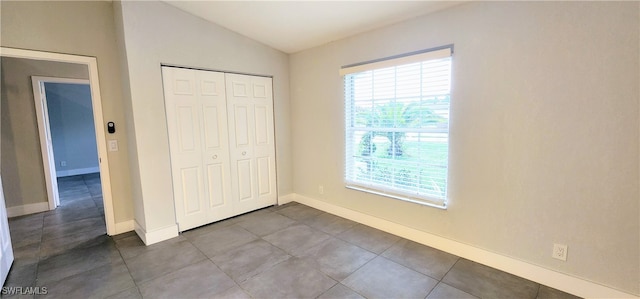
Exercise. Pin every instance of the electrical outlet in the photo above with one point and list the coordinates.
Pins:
(321, 189)
(63, 163)
(559, 252)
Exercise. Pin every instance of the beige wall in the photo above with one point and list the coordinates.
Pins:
(544, 131)
(81, 28)
(156, 33)
(22, 166)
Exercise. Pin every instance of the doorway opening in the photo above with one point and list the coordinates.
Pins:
(49, 169)
(67, 129)
(70, 142)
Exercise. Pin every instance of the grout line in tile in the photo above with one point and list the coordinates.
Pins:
(454, 264)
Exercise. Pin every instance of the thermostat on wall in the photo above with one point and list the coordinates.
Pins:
(111, 127)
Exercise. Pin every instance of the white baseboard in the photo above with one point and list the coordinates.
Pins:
(79, 171)
(27, 209)
(157, 235)
(124, 226)
(551, 278)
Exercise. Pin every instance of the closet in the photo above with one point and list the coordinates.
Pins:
(221, 139)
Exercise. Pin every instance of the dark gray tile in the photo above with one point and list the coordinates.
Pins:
(22, 239)
(27, 254)
(299, 212)
(242, 217)
(282, 206)
(76, 205)
(330, 224)
(167, 259)
(337, 258)
(26, 222)
(65, 187)
(26, 230)
(485, 282)
(297, 239)
(76, 261)
(278, 282)
(65, 216)
(205, 229)
(132, 246)
(264, 223)
(222, 240)
(100, 282)
(250, 259)
(99, 203)
(95, 190)
(50, 247)
(68, 184)
(421, 258)
(22, 275)
(24, 295)
(382, 278)
(131, 293)
(339, 291)
(546, 292)
(69, 194)
(199, 280)
(369, 238)
(124, 235)
(73, 227)
(233, 293)
(445, 291)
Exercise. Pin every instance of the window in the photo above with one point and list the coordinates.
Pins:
(397, 126)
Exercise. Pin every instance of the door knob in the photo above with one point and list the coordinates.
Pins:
(215, 157)
(244, 153)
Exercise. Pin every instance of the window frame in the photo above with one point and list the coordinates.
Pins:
(350, 127)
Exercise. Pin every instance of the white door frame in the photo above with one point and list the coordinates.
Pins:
(44, 128)
(98, 120)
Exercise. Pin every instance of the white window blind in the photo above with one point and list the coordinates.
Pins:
(397, 126)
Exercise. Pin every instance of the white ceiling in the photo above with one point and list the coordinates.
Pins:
(292, 26)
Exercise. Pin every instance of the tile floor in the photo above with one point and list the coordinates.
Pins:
(290, 251)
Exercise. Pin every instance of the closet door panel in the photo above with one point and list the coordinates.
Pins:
(215, 156)
(264, 142)
(241, 126)
(264, 176)
(191, 186)
(217, 185)
(184, 129)
(252, 140)
(244, 179)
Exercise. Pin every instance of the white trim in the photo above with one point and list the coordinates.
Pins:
(157, 235)
(551, 278)
(404, 59)
(27, 209)
(286, 198)
(98, 119)
(124, 226)
(77, 171)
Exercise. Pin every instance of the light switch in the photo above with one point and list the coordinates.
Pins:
(113, 145)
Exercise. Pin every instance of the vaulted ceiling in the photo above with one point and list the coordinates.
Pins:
(292, 26)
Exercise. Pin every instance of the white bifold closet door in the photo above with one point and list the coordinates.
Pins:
(221, 141)
(251, 141)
